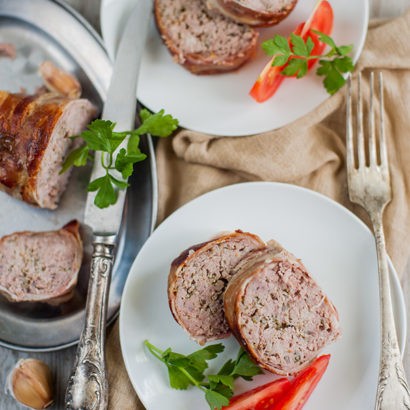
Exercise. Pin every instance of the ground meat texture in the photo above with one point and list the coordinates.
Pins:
(278, 312)
(40, 266)
(203, 43)
(256, 13)
(34, 141)
(197, 281)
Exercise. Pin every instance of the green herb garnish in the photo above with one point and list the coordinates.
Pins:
(100, 136)
(185, 371)
(295, 57)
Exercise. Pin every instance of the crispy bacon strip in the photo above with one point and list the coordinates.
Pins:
(59, 81)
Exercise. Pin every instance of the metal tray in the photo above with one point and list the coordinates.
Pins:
(45, 29)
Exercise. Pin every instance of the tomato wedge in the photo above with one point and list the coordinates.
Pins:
(270, 78)
(302, 385)
(282, 394)
(260, 398)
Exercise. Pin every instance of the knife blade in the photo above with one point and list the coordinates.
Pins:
(88, 387)
(120, 108)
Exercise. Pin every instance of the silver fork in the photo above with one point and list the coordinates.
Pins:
(369, 186)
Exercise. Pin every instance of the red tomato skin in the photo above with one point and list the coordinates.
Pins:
(303, 385)
(271, 78)
(260, 398)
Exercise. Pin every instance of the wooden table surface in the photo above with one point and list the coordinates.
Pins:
(61, 362)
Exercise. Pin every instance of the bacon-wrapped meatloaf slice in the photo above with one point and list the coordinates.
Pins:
(34, 141)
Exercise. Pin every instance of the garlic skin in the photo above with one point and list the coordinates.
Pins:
(30, 383)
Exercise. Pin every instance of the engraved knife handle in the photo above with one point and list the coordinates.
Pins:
(88, 386)
(392, 388)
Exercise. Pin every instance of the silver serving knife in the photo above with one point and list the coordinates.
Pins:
(88, 387)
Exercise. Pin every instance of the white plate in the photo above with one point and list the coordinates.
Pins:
(220, 104)
(334, 244)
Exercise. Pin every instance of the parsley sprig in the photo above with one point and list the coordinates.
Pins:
(100, 136)
(295, 53)
(185, 371)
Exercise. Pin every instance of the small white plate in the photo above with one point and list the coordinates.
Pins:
(334, 244)
(220, 104)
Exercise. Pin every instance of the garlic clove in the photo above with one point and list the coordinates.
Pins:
(30, 383)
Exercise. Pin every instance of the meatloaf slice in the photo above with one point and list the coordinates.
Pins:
(256, 13)
(34, 141)
(40, 266)
(203, 43)
(278, 312)
(198, 278)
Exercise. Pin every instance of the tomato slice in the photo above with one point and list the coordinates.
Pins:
(282, 394)
(271, 78)
(303, 385)
(260, 398)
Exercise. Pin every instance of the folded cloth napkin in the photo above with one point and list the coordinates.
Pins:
(310, 152)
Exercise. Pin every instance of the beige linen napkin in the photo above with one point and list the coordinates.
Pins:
(310, 152)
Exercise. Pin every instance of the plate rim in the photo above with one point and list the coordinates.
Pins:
(395, 283)
(220, 133)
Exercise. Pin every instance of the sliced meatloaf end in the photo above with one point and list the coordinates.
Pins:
(197, 281)
(258, 13)
(278, 312)
(200, 42)
(34, 141)
(40, 266)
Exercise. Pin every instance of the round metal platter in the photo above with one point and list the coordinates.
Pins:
(50, 30)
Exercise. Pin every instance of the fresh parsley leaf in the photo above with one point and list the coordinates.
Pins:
(244, 366)
(97, 136)
(333, 72)
(100, 136)
(227, 368)
(296, 66)
(310, 45)
(299, 46)
(345, 50)
(276, 45)
(177, 379)
(117, 182)
(158, 125)
(324, 38)
(200, 357)
(294, 58)
(216, 400)
(77, 158)
(124, 162)
(184, 371)
(280, 60)
(215, 379)
(106, 194)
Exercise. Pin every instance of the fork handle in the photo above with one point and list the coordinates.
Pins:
(392, 387)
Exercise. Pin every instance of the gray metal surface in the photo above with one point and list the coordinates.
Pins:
(44, 29)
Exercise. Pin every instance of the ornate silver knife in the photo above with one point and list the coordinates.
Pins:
(88, 387)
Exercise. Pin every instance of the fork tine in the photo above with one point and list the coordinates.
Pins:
(372, 133)
(382, 137)
(360, 138)
(349, 126)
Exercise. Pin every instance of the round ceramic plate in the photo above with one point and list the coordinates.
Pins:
(336, 247)
(65, 38)
(220, 104)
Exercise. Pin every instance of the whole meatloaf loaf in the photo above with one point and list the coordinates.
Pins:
(34, 141)
(253, 12)
(40, 266)
(278, 312)
(197, 281)
(201, 42)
